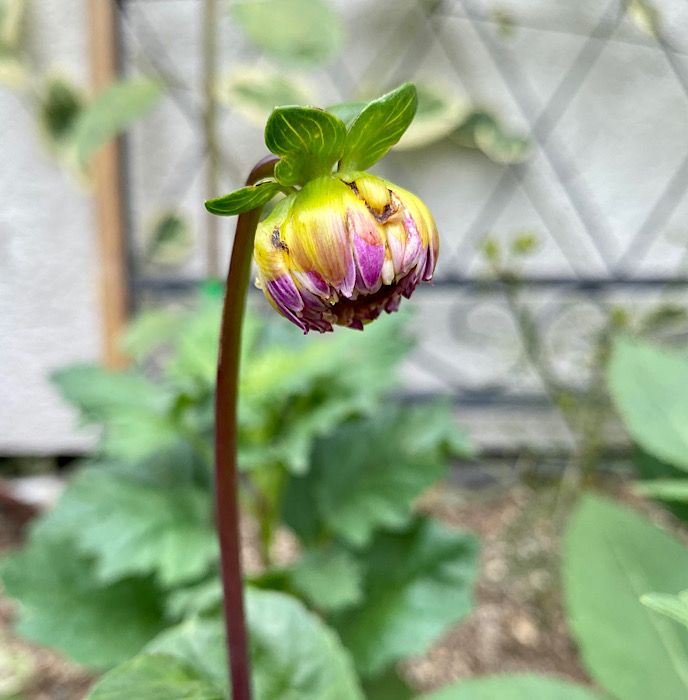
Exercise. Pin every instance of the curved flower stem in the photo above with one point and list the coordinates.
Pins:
(226, 478)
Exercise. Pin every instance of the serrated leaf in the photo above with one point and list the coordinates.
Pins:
(418, 583)
(649, 387)
(170, 240)
(65, 607)
(153, 677)
(255, 92)
(482, 130)
(517, 686)
(630, 651)
(378, 126)
(111, 112)
(59, 107)
(136, 529)
(134, 410)
(673, 606)
(315, 668)
(366, 475)
(308, 140)
(297, 31)
(439, 113)
(243, 199)
(330, 578)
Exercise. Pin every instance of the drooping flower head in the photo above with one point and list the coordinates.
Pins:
(347, 245)
(343, 250)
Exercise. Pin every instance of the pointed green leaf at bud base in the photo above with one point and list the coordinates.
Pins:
(243, 199)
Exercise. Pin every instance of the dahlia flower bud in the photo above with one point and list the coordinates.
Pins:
(343, 249)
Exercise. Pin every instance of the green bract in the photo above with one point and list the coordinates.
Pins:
(311, 142)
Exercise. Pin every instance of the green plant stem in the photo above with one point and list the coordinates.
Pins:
(226, 473)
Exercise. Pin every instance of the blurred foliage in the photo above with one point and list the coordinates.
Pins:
(673, 606)
(61, 103)
(170, 240)
(255, 92)
(611, 557)
(645, 16)
(295, 31)
(13, 72)
(130, 549)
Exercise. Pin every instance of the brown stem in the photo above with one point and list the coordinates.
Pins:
(226, 480)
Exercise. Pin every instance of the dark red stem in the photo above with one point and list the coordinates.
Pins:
(226, 478)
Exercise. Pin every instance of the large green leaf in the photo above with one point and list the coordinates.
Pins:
(518, 686)
(255, 92)
(611, 557)
(294, 655)
(134, 528)
(299, 31)
(649, 387)
(111, 112)
(378, 126)
(150, 677)
(673, 606)
(308, 140)
(64, 606)
(329, 578)
(366, 475)
(135, 411)
(418, 583)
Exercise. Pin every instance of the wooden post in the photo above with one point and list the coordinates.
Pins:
(108, 188)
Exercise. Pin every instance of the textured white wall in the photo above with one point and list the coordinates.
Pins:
(48, 275)
(624, 131)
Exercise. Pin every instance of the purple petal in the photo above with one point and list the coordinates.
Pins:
(414, 244)
(287, 298)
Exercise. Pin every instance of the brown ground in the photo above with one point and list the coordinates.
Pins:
(517, 624)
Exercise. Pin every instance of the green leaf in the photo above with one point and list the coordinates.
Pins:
(663, 489)
(153, 678)
(649, 387)
(200, 598)
(297, 31)
(65, 607)
(135, 411)
(315, 668)
(243, 199)
(132, 528)
(308, 140)
(347, 111)
(366, 475)
(418, 583)
(611, 557)
(387, 686)
(378, 126)
(255, 92)
(517, 686)
(151, 330)
(439, 113)
(673, 606)
(170, 240)
(482, 130)
(330, 579)
(59, 107)
(111, 112)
